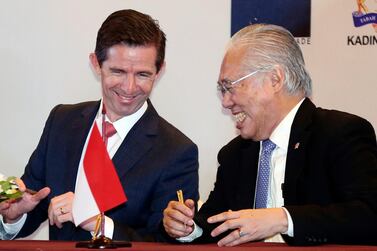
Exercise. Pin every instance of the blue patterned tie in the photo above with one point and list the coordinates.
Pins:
(264, 174)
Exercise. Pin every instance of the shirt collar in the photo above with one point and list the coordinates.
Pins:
(280, 136)
(124, 124)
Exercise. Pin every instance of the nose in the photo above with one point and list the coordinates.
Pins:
(129, 83)
(227, 101)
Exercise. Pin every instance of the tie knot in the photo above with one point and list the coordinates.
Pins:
(109, 129)
(268, 145)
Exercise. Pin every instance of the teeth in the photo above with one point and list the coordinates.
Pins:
(240, 116)
(125, 97)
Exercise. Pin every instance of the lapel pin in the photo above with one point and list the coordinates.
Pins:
(297, 145)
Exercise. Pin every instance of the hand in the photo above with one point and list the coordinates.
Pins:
(12, 210)
(178, 218)
(90, 224)
(249, 225)
(60, 209)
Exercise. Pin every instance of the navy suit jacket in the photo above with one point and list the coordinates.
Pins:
(330, 186)
(154, 160)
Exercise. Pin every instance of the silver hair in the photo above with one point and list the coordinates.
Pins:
(268, 45)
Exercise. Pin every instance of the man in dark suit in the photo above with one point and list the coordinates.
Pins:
(152, 158)
(321, 180)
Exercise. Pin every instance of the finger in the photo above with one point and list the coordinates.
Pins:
(4, 205)
(190, 204)
(225, 226)
(55, 209)
(57, 222)
(41, 194)
(50, 213)
(178, 216)
(229, 215)
(61, 201)
(54, 213)
(185, 209)
(178, 226)
(176, 229)
(20, 184)
(234, 235)
(233, 239)
(64, 218)
(58, 215)
(176, 233)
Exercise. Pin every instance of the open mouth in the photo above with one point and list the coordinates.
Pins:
(240, 117)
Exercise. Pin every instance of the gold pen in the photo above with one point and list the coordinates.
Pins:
(181, 200)
(180, 196)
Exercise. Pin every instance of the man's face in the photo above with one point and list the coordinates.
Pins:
(251, 100)
(127, 78)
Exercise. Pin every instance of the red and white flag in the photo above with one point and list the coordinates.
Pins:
(98, 187)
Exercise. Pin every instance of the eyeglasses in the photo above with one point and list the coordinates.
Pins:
(228, 86)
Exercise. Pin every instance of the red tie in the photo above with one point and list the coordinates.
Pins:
(109, 129)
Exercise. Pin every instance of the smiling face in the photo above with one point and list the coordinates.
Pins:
(252, 101)
(127, 78)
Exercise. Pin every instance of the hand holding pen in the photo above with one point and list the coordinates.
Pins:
(178, 217)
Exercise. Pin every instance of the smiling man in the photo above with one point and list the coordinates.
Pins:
(152, 158)
(297, 173)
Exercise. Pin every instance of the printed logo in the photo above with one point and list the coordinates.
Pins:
(365, 15)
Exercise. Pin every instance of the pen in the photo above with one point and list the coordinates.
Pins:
(180, 200)
(180, 196)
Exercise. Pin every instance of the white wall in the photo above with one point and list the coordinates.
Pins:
(44, 48)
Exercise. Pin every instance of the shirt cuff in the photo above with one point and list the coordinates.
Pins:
(12, 229)
(109, 227)
(198, 231)
(290, 224)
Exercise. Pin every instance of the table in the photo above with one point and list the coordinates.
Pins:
(34, 245)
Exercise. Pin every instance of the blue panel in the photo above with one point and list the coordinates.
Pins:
(291, 14)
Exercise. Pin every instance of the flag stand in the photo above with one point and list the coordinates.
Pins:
(101, 241)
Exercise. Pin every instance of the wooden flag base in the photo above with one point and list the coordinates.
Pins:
(102, 242)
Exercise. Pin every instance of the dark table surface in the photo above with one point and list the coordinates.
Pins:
(15, 245)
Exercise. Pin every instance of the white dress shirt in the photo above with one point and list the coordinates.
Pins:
(122, 126)
(280, 137)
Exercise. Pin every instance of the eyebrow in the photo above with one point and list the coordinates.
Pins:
(116, 69)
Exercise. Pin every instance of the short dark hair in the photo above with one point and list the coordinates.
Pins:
(131, 28)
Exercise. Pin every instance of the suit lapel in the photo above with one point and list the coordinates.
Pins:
(296, 155)
(79, 130)
(138, 141)
(249, 164)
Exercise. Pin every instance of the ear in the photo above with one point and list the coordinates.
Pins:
(95, 64)
(160, 72)
(277, 78)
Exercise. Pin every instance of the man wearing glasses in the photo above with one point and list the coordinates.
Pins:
(296, 173)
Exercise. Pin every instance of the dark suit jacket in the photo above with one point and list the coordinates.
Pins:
(330, 186)
(154, 160)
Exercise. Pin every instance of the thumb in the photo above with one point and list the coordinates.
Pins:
(41, 194)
